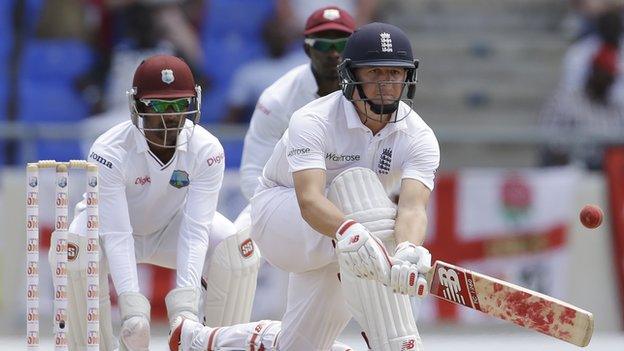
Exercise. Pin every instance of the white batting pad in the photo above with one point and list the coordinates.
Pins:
(76, 295)
(134, 334)
(386, 317)
(182, 303)
(358, 193)
(231, 281)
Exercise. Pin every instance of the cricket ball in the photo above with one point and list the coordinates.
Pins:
(591, 216)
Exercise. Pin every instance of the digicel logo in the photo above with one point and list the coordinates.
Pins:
(216, 159)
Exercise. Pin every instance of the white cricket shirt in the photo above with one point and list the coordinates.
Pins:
(328, 134)
(270, 119)
(139, 196)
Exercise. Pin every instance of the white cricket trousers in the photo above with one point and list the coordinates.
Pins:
(316, 311)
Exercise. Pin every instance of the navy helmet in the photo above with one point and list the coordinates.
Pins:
(383, 45)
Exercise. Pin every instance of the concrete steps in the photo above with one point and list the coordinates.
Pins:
(485, 64)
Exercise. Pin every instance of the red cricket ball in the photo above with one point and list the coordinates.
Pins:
(591, 216)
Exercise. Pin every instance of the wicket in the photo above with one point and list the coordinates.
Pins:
(61, 226)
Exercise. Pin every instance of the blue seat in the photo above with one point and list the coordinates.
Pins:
(214, 104)
(245, 17)
(233, 152)
(55, 60)
(50, 102)
(231, 35)
(3, 114)
(32, 13)
(224, 56)
(6, 31)
(49, 150)
(59, 150)
(4, 95)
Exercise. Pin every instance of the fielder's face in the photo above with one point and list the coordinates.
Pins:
(382, 85)
(325, 52)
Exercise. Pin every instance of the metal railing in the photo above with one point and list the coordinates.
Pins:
(535, 136)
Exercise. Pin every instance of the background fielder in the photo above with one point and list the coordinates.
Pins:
(326, 32)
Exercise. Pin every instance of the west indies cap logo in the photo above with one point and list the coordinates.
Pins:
(62, 182)
(179, 179)
(167, 76)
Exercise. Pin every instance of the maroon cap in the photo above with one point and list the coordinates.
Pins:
(329, 18)
(163, 77)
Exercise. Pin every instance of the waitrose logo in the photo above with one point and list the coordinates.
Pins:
(301, 151)
(341, 158)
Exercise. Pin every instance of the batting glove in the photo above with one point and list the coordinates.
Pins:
(362, 253)
(410, 263)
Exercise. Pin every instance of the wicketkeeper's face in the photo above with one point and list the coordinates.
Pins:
(382, 85)
(164, 119)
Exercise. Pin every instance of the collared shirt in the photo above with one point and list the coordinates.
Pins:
(139, 195)
(328, 134)
(270, 119)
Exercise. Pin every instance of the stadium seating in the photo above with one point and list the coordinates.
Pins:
(230, 38)
(6, 31)
(55, 60)
(3, 114)
(47, 91)
(6, 45)
(31, 15)
(233, 150)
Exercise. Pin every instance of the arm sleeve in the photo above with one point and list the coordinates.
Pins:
(199, 211)
(267, 125)
(423, 159)
(115, 227)
(305, 148)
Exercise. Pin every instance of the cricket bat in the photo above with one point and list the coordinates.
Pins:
(511, 302)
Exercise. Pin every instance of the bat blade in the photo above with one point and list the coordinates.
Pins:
(511, 302)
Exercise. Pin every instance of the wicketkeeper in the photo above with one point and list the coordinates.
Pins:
(160, 177)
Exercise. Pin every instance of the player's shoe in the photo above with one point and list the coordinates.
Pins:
(188, 335)
(175, 335)
(338, 346)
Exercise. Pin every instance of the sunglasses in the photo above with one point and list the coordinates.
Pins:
(162, 106)
(326, 45)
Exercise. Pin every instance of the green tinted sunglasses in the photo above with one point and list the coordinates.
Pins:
(326, 45)
(162, 106)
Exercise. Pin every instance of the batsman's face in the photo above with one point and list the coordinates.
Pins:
(382, 85)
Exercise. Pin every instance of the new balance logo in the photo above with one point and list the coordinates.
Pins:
(386, 42)
(408, 345)
(450, 281)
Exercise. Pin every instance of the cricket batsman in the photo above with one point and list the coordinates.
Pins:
(160, 177)
(322, 211)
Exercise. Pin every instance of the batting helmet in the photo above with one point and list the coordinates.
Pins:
(381, 45)
(166, 85)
